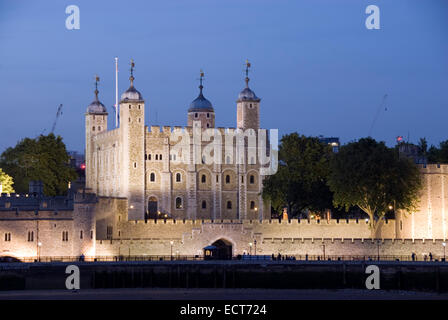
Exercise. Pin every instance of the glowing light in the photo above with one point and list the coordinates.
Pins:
(83, 166)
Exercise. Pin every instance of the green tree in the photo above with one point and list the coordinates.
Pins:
(44, 158)
(440, 154)
(300, 182)
(423, 146)
(371, 176)
(6, 182)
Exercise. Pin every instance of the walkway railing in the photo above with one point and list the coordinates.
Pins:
(142, 258)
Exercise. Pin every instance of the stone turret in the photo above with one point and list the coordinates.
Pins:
(248, 107)
(96, 122)
(201, 109)
(132, 126)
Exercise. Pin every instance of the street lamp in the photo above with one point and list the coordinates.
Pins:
(39, 244)
(378, 246)
(444, 250)
(250, 248)
(171, 251)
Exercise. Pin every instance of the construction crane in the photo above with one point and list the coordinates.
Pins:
(58, 114)
(378, 111)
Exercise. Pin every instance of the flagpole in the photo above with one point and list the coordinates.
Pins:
(116, 92)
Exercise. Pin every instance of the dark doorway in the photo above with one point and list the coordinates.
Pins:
(152, 208)
(219, 250)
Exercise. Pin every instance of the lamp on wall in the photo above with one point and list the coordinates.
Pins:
(444, 250)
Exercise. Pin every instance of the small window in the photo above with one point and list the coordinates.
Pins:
(217, 178)
(208, 115)
(160, 157)
(93, 128)
(178, 203)
(129, 107)
(227, 179)
(8, 236)
(251, 179)
(138, 107)
(195, 115)
(30, 236)
(152, 177)
(157, 157)
(204, 204)
(80, 234)
(178, 177)
(91, 234)
(135, 165)
(146, 157)
(242, 179)
(229, 204)
(109, 232)
(208, 125)
(99, 128)
(65, 236)
(252, 205)
(149, 156)
(203, 178)
(227, 160)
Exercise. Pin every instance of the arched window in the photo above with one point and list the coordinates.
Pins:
(227, 179)
(178, 203)
(93, 128)
(152, 177)
(157, 157)
(178, 177)
(203, 178)
(252, 205)
(251, 179)
(204, 204)
(229, 204)
(227, 160)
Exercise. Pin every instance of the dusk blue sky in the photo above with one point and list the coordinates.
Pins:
(316, 67)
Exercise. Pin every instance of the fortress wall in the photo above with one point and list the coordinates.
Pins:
(284, 246)
(47, 228)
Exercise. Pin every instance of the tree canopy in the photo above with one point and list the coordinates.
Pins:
(44, 158)
(6, 182)
(300, 182)
(371, 176)
(438, 154)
